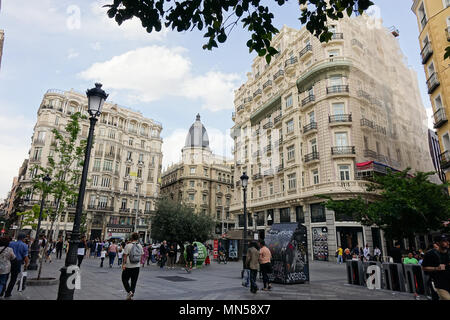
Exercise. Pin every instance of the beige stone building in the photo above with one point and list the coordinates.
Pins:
(320, 119)
(202, 179)
(124, 168)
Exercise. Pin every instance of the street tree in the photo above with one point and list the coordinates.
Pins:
(400, 203)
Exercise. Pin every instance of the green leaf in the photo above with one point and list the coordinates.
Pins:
(268, 58)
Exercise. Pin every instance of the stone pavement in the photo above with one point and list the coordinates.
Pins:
(215, 282)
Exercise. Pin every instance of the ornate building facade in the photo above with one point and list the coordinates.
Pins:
(319, 120)
(124, 168)
(202, 179)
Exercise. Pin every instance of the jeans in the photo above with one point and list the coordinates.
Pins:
(80, 259)
(171, 263)
(253, 286)
(101, 263)
(119, 261)
(246, 280)
(112, 256)
(264, 268)
(58, 253)
(16, 267)
(339, 259)
(163, 261)
(3, 280)
(127, 274)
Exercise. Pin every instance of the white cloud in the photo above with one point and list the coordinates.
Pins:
(430, 118)
(155, 72)
(72, 54)
(96, 46)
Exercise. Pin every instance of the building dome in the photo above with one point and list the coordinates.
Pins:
(197, 136)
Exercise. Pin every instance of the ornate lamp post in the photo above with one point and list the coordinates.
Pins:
(244, 180)
(35, 246)
(96, 99)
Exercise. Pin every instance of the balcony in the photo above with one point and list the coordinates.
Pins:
(98, 153)
(247, 100)
(267, 85)
(426, 53)
(424, 21)
(338, 89)
(110, 155)
(306, 51)
(240, 108)
(268, 148)
(310, 127)
(370, 154)
(313, 156)
(277, 119)
(39, 142)
(308, 99)
(432, 83)
(257, 176)
(279, 168)
(337, 36)
(380, 129)
(439, 118)
(340, 118)
(100, 207)
(447, 32)
(278, 75)
(289, 64)
(445, 160)
(343, 151)
(268, 172)
(268, 125)
(257, 94)
(357, 43)
(367, 123)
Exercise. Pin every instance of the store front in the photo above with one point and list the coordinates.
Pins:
(349, 237)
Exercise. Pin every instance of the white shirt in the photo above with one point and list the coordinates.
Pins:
(366, 252)
(127, 251)
(102, 254)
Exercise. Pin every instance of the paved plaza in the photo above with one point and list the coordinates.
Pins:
(215, 282)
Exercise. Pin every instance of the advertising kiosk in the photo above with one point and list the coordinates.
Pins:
(288, 244)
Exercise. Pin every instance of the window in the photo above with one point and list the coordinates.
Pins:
(344, 172)
(94, 181)
(333, 53)
(192, 184)
(218, 215)
(312, 117)
(56, 120)
(430, 69)
(125, 185)
(97, 163)
(37, 154)
(205, 184)
(446, 3)
(282, 184)
(92, 200)
(285, 215)
(191, 197)
(259, 191)
(317, 213)
(124, 204)
(205, 171)
(313, 144)
(139, 173)
(303, 179)
(148, 206)
(271, 188)
(299, 214)
(106, 181)
(103, 201)
(291, 181)
(127, 171)
(129, 155)
(141, 157)
(219, 201)
(192, 170)
(291, 152)
(336, 80)
(289, 101)
(107, 165)
(290, 126)
(205, 198)
(438, 102)
(315, 175)
(341, 139)
(338, 108)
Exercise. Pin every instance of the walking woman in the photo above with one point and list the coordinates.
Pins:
(172, 256)
(112, 251)
(145, 255)
(6, 256)
(265, 265)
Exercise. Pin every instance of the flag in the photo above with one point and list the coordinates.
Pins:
(133, 174)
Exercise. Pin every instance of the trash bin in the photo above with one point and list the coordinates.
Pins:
(288, 244)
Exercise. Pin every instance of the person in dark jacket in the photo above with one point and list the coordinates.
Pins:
(252, 263)
(396, 253)
(59, 247)
(164, 252)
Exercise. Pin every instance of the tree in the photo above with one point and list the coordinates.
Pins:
(404, 204)
(30, 217)
(220, 17)
(177, 222)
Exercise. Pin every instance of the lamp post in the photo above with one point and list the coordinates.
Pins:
(96, 99)
(244, 180)
(35, 246)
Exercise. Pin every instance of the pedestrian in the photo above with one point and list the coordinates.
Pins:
(377, 254)
(131, 256)
(149, 256)
(396, 253)
(81, 252)
(102, 257)
(172, 256)
(195, 255)
(99, 248)
(49, 251)
(6, 257)
(347, 254)
(265, 264)
(59, 247)
(154, 254)
(20, 250)
(410, 259)
(339, 252)
(366, 252)
(163, 251)
(119, 256)
(144, 256)
(189, 256)
(252, 263)
(436, 263)
(112, 252)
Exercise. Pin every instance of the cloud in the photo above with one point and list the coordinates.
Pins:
(220, 144)
(430, 123)
(72, 54)
(96, 46)
(155, 72)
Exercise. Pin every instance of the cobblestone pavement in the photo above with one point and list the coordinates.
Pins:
(214, 282)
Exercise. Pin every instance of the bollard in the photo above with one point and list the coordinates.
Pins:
(366, 265)
(415, 279)
(393, 277)
(355, 272)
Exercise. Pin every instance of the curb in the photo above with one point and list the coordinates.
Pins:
(42, 282)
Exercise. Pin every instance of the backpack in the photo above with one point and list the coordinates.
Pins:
(135, 253)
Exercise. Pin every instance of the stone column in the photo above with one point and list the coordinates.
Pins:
(332, 240)
(276, 215)
(292, 213)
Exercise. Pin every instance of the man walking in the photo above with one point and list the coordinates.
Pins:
(437, 263)
(164, 252)
(265, 264)
(189, 256)
(252, 263)
(21, 252)
(59, 247)
(131, 263)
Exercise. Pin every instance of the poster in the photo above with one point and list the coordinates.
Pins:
(320, 243)
(233, 250)
(216, 249)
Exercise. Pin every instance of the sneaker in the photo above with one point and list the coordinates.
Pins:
(130, 295)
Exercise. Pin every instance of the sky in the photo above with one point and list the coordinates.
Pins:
(60, 44)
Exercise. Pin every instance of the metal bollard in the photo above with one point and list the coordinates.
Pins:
(415, 279)
(367, 264)
(355, 272)
(393, 277)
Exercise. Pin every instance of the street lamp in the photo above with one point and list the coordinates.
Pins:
(96, 99)
(244, 180)
(35, 246)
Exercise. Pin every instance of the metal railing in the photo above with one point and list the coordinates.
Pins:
(367, 123)
(279, 73)
(311, 156)
(426, 52)
(338, 89)
(309, 127)
(342, 150)
(305, 50)
(337, 36)
(308, 99)
(370, 153)
(445, 159)
(268, 125)
(356, 42)
(340, 118)
(432, 82)
(267, 84)
(290, 61)
(257, 92)
(439, 118)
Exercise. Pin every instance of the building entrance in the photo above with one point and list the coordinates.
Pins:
(349, 237)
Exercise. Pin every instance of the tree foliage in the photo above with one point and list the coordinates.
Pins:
(174, 221)
(405, 204)
(219, 17)
(31, 216)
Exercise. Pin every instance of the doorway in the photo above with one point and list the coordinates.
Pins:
(349, 237)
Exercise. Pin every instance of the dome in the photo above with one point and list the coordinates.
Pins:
(197, 136)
